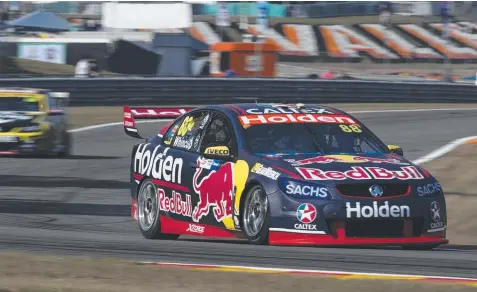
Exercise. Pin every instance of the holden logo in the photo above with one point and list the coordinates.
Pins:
(436, 211)
(376, 191)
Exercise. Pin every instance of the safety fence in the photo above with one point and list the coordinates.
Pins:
(169, 91)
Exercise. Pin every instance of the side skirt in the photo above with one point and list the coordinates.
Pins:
(172, 226)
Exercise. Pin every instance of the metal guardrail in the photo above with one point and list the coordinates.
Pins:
(162, 91)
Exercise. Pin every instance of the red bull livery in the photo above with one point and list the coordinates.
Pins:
(279, 174)
(214, 190)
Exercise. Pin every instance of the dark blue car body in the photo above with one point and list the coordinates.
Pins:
(309, 174)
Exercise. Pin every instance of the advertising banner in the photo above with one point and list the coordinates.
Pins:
(44, 52)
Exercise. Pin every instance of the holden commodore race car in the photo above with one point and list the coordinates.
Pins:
(33, 121)
(279, 174)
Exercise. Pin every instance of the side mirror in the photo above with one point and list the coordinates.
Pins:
(396, 150)
(218, 152)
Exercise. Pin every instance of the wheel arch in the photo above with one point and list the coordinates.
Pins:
(134, 188)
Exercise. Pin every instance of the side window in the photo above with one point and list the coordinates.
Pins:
(52, 104)
(171, 132)
(218, 133)
(189, 132)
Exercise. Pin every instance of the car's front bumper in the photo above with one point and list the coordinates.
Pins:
(21, 144)
(283, 237)
(338, 224)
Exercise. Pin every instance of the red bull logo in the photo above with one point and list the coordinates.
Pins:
(176, 204)
(346, 159)
(360, 173)
(214, 190)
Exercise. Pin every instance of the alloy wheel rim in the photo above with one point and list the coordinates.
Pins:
(147, 205)
(255, 212)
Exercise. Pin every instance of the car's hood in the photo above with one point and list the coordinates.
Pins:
(349, 168)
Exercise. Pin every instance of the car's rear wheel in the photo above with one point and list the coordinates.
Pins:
(148, 212)
(255, 216)
(67, 146)
(420, 247)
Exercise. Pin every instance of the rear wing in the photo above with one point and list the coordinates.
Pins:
(132, 114)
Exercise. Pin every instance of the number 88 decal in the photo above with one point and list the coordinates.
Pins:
(351, 128)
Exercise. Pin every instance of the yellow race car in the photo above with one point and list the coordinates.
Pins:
(33, 122)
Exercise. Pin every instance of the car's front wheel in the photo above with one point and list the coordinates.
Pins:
(66, 151)
(148, 212)
(255, 216)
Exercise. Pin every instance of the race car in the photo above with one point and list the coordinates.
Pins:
(33, 122)
(279, 174)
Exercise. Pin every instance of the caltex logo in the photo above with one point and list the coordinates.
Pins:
(306, 213)
(436, 211)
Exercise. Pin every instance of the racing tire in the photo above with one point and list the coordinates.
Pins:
(148, 212)
(420, 247)
(67, 143)
(256, 216)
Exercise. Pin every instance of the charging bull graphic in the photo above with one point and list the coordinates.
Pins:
(216, 190)
(346, 159)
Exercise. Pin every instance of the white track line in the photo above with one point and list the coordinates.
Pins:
(413, 110)
(431, 156)
(443, 150)
(99, 126)
(317, 272)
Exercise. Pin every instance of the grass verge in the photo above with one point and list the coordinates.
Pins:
(43, 273)
(456, 172)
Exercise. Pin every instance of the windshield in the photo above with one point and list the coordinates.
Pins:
(312, 138)
(18, 104)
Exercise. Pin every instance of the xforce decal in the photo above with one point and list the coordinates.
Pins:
(158, 164)
(360, 173)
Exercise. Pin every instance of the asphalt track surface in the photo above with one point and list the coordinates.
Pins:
(81, 206)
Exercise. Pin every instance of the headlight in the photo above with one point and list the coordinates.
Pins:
(431, 189)
(303, 190)
(35, 128)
